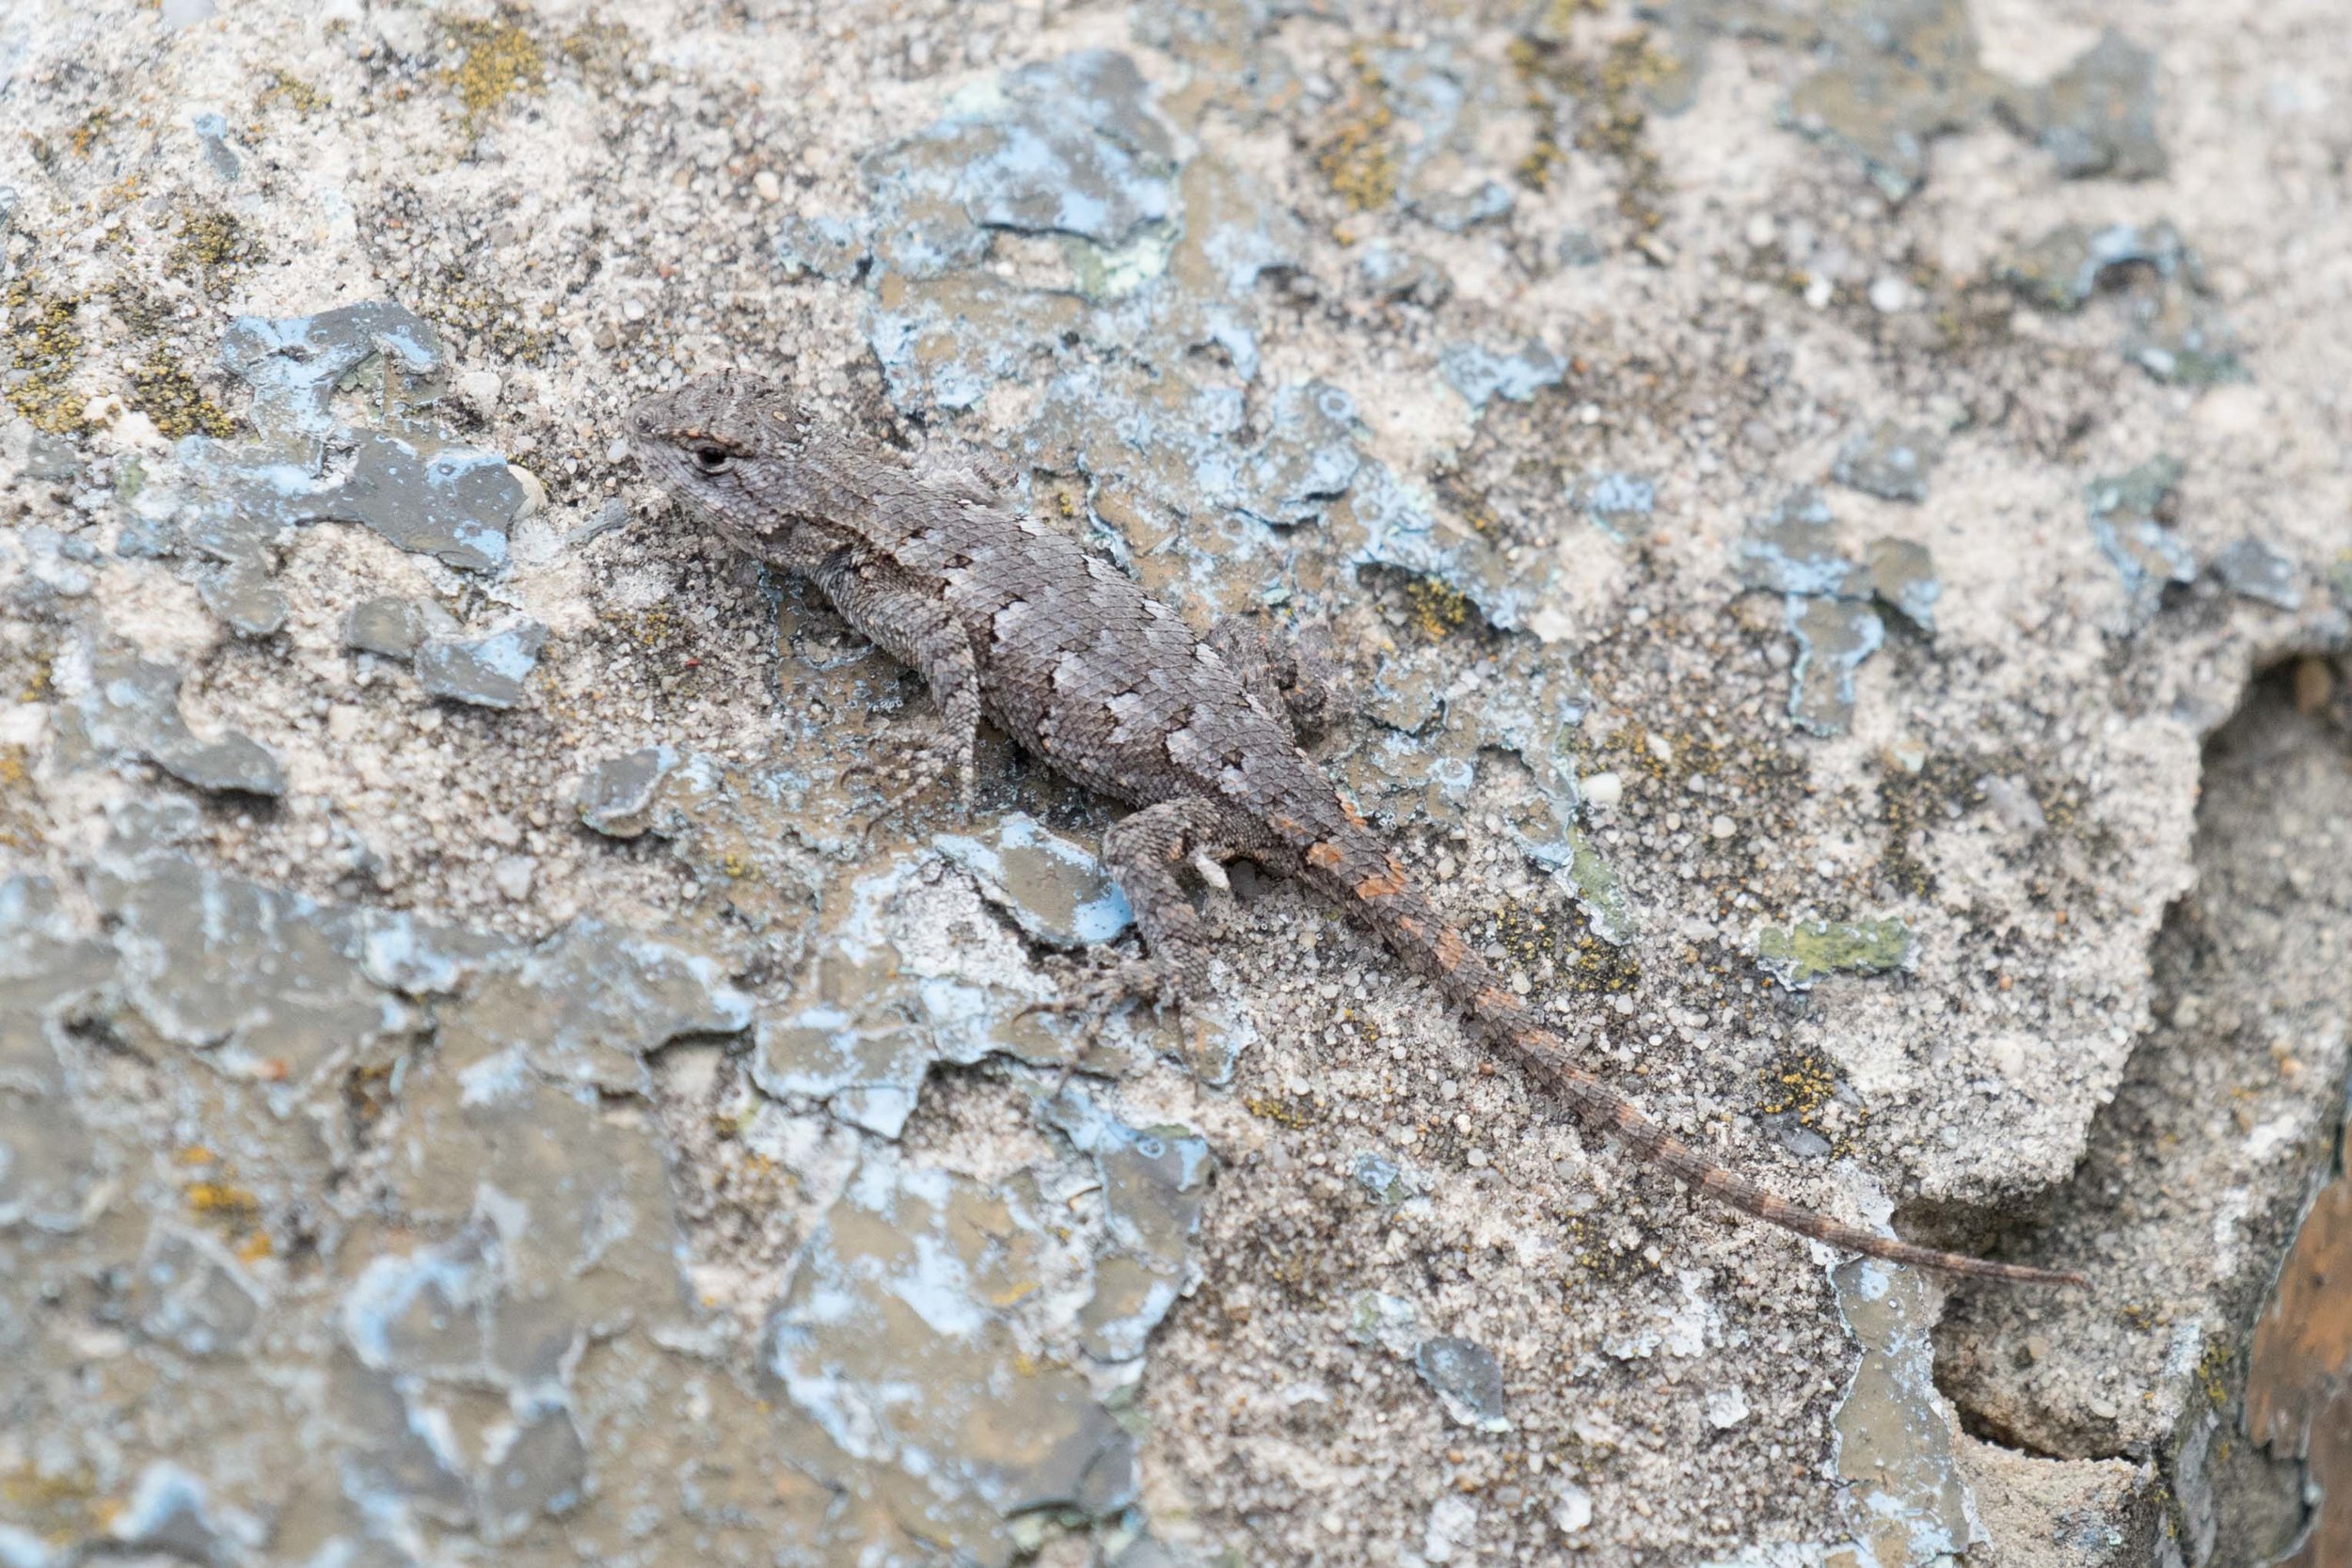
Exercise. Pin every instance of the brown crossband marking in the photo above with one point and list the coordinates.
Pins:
(1450, 950)
(1324, 855)
(1388, 884)
(1495, 1000)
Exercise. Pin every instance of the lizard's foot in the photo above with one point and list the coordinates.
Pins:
(1095, 989)
(904, 763)
(1098, 988)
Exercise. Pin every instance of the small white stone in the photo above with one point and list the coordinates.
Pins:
(481, 388)
(512, 876)
(766, 186)
(534, 493)
(1604, 790)
(342, 722)
(1762, 230)
(1571, 1508)
(1819, 293)
(1890, 295)
(1721, 827)
(1726, 1408)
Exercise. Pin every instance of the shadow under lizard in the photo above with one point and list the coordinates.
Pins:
(1007, 619)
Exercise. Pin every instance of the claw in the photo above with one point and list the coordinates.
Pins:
(1102, 987)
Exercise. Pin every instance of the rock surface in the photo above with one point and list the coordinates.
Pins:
(1794, 501)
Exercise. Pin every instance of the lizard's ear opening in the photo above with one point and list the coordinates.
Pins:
(713, 459)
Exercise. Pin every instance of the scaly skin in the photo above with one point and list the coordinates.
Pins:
(1006, 618)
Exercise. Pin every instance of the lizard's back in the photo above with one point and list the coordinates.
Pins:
(1078, 664)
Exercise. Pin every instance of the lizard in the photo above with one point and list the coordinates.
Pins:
(1007, 618)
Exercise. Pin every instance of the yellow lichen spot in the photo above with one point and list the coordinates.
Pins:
(210, 243)
(162, 389)
(1436, 609)
(44, 348)
(601, 48)
(223, 1200)
(84, 136)
(1355, 158)
(285, 86)
(498, 60)
(256, 1247)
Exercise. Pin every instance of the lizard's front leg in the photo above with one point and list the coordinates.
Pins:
(916, 629)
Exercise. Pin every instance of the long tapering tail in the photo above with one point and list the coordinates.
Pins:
(1352, 866)
(1605, 1109)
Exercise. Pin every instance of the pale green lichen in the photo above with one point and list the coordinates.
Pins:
(1800, 954)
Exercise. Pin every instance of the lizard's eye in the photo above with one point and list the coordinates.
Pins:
(713, 460)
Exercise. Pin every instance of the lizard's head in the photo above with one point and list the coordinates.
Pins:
(713, 441)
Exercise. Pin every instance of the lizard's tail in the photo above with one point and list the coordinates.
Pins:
(1605, 1109)
(1358, 871)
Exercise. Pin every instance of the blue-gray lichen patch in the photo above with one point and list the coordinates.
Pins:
(590, 1003)
(1384, 1179)
(1901, 73)
(1163, 263)
(1902, 575)
(2099, 116)
(2175, 331)
(131, 706)
(49, 1163)
(267, 986)
(1068, 146)
(2254, 568)
(1479, 372)
(2062, 269)
(1469, 1380)
(1154, 1181)
(486, 671)
(1619, 504)
(1304, 460)
(1054, 889)
(894, 1339)
(231, 504)
(471, 1343)
(2128, 515)
(910, 970)
(1907, 1500)
(1888, 460)
(1834, 636)
(393, 627)
(1393, 272)
(823, 246)
(1793, 549)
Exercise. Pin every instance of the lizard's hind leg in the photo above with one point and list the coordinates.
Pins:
(1146, 854)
